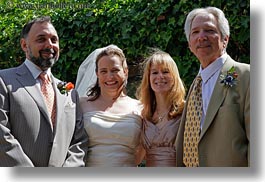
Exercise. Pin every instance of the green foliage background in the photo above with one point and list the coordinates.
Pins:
(133, 25)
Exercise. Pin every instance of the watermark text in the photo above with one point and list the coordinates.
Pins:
(38, 6)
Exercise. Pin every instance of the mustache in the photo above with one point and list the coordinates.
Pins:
(50, 51)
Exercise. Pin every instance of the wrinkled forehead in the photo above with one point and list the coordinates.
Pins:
(202, 18)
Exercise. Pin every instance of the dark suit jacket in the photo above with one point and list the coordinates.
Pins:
(224, 139)
(26, 134)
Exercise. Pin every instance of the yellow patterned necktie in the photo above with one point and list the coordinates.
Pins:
(192, 126)
(49, 96)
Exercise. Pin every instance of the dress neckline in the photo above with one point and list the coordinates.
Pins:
(110, 114)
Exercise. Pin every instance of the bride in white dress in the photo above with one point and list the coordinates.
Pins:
(111, 118)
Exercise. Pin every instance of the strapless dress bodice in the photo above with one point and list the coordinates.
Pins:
(113, 138)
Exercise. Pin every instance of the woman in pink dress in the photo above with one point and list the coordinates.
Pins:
(162, 94)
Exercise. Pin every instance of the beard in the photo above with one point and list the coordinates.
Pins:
(44, 63)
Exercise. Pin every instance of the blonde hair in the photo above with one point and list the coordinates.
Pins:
(146, 95)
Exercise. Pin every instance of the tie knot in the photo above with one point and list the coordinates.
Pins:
(44, 77)
(198, 80)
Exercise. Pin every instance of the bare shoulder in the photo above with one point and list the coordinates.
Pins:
(85, 104)
(83, 100)
(133, 101)
(134, 104)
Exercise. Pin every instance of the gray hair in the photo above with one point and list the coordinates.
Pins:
(222, 22)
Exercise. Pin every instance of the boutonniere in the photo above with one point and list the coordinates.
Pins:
(230, 78)
(64, 87)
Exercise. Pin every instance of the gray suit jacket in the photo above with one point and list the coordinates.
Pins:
(26, 134)
(225, 136)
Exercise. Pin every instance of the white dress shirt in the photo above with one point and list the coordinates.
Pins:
(210, 75)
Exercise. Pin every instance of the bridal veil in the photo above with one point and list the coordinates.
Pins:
(86, 75)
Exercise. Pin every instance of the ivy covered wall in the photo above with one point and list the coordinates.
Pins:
(133, 25)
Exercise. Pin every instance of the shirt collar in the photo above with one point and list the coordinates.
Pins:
(35, 70)
(211, 69)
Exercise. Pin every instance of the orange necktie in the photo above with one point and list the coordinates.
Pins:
(192, 126)
(49, 96)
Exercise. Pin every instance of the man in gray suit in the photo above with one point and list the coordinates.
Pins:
(29, 135)
(224, 129)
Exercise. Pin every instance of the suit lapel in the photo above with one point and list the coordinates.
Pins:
(25, 78)
(217, 98)
(60, 128)
(60, 102)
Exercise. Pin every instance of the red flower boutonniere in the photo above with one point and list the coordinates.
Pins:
(230, 78)
(65, 87)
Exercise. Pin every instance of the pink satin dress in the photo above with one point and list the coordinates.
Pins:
(158, 141)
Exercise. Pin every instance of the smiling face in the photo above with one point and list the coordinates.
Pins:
(161, 80)
(205, 39)
(41, 45)
(111, 74)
